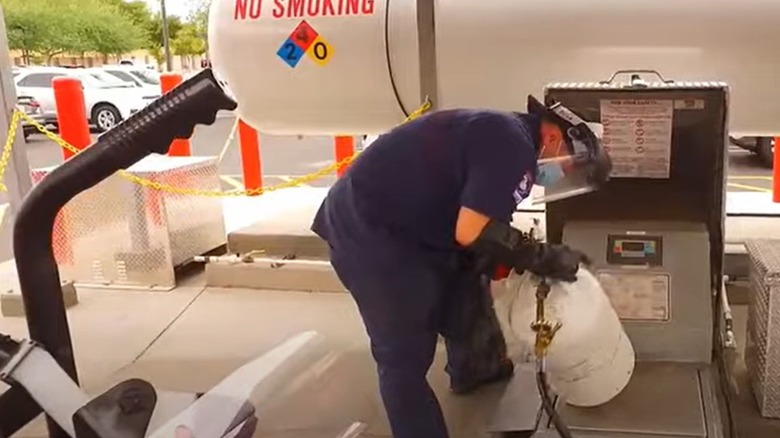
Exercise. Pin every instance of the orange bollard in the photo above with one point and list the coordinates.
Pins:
(251, 165)
(345, 148)
(179, 147)
(776, 172)
(71, 113)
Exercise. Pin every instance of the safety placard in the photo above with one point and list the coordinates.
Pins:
(638, 296)
(638, 136)
(304, 40)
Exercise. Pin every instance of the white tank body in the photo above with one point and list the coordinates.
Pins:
(489, 53)
(347, 92)
(591, 359)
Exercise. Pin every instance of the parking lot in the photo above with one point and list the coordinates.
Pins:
(284, 158)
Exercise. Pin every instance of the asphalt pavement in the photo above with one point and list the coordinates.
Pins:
(286, 158)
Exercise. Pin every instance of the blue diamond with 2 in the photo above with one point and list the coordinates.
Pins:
(290, 53)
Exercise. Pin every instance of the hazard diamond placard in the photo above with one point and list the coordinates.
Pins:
(305, 40)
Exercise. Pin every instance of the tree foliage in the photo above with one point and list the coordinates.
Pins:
(199, 17)
(46, 28)
(188, 41)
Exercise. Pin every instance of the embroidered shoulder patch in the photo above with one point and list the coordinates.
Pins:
(523, 188)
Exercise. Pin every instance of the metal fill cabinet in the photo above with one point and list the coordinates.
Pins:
(762, 349)
(123, 234)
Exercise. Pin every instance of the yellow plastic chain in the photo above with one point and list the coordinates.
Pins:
(19, 115)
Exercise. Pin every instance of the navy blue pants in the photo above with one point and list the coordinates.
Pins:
(406, 299)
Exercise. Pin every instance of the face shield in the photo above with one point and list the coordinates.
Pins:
(572, 160)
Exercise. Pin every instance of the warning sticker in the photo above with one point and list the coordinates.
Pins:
(638, 136)
(638, 296)
(304, 40)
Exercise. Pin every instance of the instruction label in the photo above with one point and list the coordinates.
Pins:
(638, 136)
(638, 296)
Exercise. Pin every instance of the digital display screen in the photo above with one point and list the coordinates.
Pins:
(626, 249)
(633, 246)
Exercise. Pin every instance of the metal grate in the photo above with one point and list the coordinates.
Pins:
(121, 234)
(762, 348)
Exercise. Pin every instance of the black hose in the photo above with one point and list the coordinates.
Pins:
(390, 72)
(174, 115)
(549, 406)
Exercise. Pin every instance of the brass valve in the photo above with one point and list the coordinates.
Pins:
(545, 330)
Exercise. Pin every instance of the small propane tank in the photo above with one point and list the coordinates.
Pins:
(590, 359)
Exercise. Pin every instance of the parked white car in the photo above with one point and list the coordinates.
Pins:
(146, 79)
(119, 76)
(107, 103)
(132, 63)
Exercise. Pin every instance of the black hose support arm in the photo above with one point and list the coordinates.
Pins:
(174, 115)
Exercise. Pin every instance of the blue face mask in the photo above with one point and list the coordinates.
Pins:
(549, 173)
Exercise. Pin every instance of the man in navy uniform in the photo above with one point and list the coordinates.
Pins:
(420, 221)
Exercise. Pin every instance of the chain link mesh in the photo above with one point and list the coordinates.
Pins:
(762, 356)
(122, 234)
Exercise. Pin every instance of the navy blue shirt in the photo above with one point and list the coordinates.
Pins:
(414, 179)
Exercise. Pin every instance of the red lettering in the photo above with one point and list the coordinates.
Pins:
(250, 8)
(278, 11)
(295, 8)
(352, 7)
(305, 8)
(240, 12)
(327, 5)
(314, 8)
(255, 9)
(368, 7)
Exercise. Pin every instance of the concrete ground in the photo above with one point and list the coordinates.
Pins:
(191, 338)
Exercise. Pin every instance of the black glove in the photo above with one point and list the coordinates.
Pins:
(505, 245)
(555, 262)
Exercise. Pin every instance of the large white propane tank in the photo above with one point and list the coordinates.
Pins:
(337, 74)
(590, 359)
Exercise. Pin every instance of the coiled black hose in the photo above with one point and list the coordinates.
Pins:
(549, 406)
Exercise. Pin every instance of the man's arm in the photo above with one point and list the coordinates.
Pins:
(499, 152)
(487, 204)
(469, 226)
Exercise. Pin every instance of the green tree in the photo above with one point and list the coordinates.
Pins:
(52, 27)
(188, 41)
(200, 16)
(141, 16)
(104, 29)
(156, 45)
(38, 27)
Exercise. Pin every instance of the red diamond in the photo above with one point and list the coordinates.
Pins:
(304, 35)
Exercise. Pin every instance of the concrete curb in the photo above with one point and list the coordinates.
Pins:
(278, 224)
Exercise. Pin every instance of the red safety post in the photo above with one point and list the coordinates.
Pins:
(71, 114)
(74, 129)
(776, 171)
(251, 165)
(179, 147)
(345, 148)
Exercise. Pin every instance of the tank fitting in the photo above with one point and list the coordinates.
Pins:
(545, 330)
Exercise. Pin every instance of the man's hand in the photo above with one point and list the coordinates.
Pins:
(556, 262)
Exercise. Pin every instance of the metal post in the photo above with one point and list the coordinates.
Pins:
(17, 175)
(166, 37)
